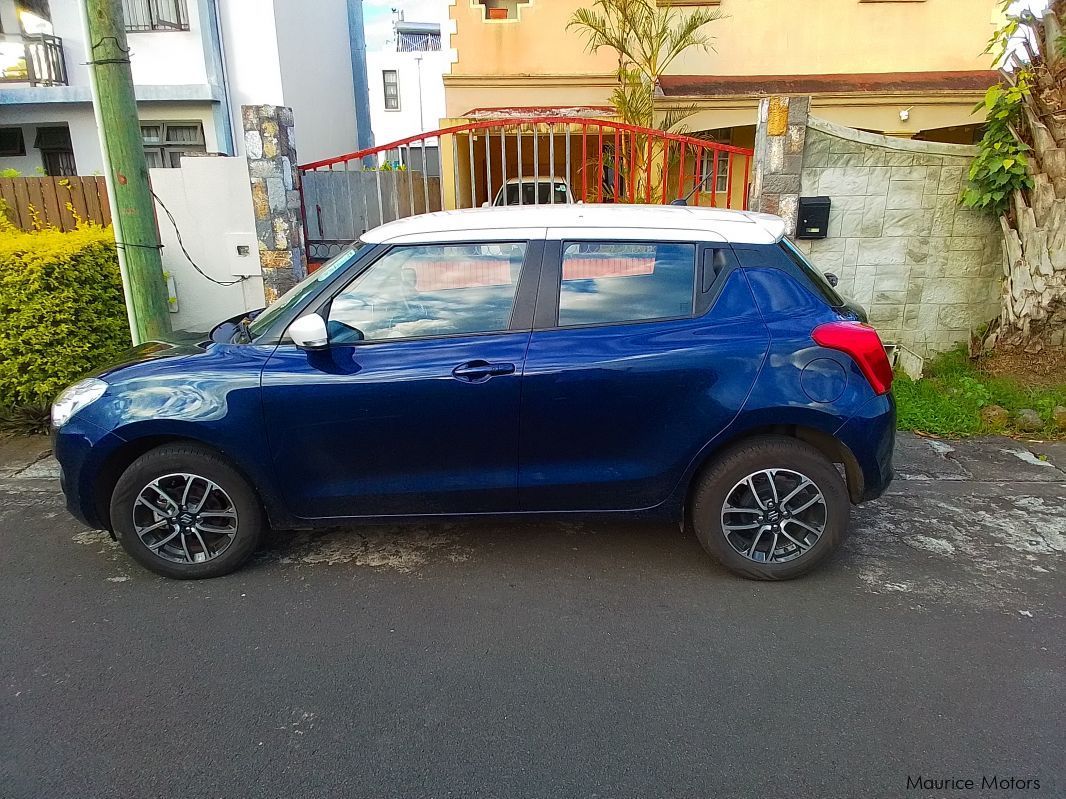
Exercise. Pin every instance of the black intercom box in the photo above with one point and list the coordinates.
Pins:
(813, 218)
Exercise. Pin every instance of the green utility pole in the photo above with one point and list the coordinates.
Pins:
(127, 171)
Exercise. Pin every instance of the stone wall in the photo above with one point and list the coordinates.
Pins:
(270, 146)
(927, 270)
(779, 146)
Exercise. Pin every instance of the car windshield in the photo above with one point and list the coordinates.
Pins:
(532, 193)
(294, 295)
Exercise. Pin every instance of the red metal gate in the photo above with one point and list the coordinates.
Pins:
(467, 165)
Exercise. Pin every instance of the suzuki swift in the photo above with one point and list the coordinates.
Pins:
(663, 362)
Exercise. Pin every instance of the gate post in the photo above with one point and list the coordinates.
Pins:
(270, 147)
(779, 138)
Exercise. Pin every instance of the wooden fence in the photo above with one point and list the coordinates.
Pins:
(59, 202)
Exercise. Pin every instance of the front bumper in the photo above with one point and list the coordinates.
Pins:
(82, 450)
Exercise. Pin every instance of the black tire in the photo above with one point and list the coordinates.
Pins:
(203, 462)
(768, 452)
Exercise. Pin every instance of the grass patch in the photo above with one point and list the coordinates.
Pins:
(948, 400)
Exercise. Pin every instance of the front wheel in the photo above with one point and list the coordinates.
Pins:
(184, 512)
(772, 508)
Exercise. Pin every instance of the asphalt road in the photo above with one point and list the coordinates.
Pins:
(550, 660)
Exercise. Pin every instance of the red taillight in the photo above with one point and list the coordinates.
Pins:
(862, 343)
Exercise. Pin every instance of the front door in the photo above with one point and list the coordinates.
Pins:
(413, 409)
(642, 353)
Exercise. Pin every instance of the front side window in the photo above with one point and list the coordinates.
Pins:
(392, 89)
(416, 291)
(609, 282)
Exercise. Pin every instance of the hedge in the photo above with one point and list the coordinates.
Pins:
(61, 309)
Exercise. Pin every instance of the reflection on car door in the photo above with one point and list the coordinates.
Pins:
(630, 371)
(414, 407)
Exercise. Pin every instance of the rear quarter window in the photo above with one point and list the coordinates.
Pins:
(784, 281)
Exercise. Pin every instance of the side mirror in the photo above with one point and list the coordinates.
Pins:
(309, 332)
(833, 279)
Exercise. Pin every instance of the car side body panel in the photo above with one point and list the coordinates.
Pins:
(612, 415)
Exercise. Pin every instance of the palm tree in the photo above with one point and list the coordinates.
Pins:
(647, 38)
(1027, 129)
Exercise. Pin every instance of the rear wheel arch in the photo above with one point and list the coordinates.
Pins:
(832, 448)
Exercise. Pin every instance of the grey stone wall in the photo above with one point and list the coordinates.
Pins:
(270, 146)
(927, 270)
(779, 148)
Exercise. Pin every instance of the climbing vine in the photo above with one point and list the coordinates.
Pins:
(1001, 165)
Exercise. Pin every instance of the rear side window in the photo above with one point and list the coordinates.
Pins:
(610, 282)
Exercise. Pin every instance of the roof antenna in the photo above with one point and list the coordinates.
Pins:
(687, 197)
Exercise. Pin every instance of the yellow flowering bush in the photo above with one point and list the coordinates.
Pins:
(61, 309)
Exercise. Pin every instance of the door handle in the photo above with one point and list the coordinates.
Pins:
(480, 371)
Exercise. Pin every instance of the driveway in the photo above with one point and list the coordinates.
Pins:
(550, 660)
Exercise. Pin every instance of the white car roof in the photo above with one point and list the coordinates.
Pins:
(593, 221)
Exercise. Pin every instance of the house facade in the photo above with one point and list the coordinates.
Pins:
(909, 68)
(194, 64)
(406, 87)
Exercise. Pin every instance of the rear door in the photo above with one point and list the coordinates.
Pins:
(642, 351)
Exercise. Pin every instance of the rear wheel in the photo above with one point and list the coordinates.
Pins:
(184, 512)
(772, 508)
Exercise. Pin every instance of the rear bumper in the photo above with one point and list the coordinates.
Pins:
(871, 436)
(82, 448)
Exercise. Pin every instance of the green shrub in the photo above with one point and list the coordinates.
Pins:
(61, 310)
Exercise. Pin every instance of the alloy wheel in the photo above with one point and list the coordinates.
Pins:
(185, 518)
(774, 515)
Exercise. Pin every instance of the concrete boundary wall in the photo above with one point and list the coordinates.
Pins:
(927, 269)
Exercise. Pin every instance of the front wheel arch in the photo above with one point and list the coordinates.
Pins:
(123, 457)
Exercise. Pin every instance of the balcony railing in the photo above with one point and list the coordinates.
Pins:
(155, 15)
(36, 60)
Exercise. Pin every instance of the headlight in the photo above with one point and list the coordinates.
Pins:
(75, 398)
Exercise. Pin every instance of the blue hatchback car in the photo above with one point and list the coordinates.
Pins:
(667, 362)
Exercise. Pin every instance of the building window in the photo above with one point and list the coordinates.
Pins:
(12, 142)
(720, 183)
(392, 89)
(503, 9)
(56, 151)
(166, 142)
(155, 15)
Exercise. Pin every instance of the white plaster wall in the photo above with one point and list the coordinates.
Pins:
(156, 58)
(249, 40)
(67, 25)
(211, 200)
(407, 121)
(84, 135)
(316, 73)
